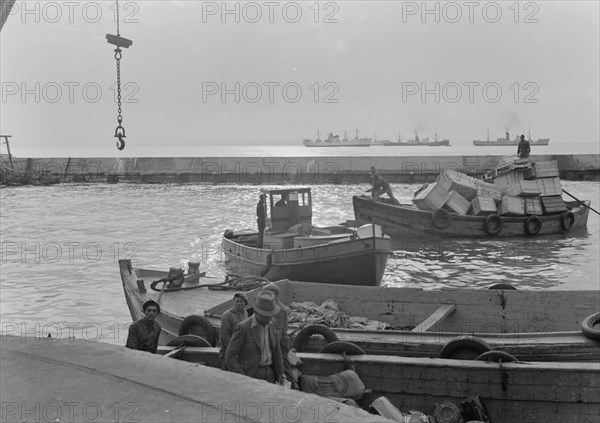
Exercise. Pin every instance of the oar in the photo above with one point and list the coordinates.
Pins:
(175, 351)
(571, 195)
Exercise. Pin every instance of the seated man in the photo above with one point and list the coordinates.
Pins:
(143, 334)
(255, 349)
(380, 186)
(282, 201)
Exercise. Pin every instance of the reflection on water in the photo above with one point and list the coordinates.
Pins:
(60, 247)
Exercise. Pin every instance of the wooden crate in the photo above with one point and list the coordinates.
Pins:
(529, 173)
(485, 189)
(533, 205)
(431, 198)
(548, 169)
(465, 185)
(512, 205)
(553, 204)
(457, 203)
(523, 188)
(508, 179)
(484, 205)
(549, 186)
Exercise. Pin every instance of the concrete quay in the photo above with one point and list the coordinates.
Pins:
(70, 380)
(274, 170)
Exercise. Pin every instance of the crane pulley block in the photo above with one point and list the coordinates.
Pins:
(118, 41)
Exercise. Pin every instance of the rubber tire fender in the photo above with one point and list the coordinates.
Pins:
(588, 329)
(496, 356)
(207, 328)
(567, 220)
(308, 331)
(341, 347)
(441, 218)
(506, 286)
(493, 219)
(537, 225)
(471, 343)
(189, 341)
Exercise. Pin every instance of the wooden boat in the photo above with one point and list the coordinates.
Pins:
(404, 220)
(532, 392)
(531, 325)
(295, 249)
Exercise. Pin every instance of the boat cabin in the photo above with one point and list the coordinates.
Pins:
(288, 207)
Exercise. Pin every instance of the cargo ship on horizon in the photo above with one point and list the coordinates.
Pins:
(506, 141)
(335, 141)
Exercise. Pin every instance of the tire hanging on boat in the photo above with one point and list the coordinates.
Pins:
(493, 224)
(342, 347)
(497, 356)
(308, 331)
(567, 220)
(588, 329)
(470, 343)
(441, 218)
(190, 324)
(502, 286)
(533, 225)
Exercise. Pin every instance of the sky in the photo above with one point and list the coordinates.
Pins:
(202, 73)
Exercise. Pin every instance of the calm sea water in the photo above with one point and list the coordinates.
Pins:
(60, 247)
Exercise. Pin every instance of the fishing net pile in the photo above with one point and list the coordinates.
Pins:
(329, 314)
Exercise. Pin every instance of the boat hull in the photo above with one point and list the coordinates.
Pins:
(531, 325)
(443, 143)
(481, 143)
(550, 392)
(401, 221)
(351, 262)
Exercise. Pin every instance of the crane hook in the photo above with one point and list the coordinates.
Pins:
(120, 134)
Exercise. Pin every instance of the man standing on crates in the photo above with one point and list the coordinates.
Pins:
(524, 148)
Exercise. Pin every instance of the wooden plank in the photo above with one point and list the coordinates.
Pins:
(440, 314)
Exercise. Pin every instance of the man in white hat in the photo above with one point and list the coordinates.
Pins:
(255, 349)
(229, 320)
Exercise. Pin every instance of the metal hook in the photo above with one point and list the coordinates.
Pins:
(120, 134)
(121, 143)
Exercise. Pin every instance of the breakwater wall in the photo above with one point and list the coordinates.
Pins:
(271, 170)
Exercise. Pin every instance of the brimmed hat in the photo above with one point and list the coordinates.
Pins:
(265, 304)
(242, 295)
(271, 287)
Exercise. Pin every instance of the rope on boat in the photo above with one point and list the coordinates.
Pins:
(231, 282)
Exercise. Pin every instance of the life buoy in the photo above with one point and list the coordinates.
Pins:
(200, 326)
(588, 329)
(308, 331)
(342, 347)
(189, 341)
(567, 220)
(441, 218)
(533, 225)
(465, 343)
(493, 224)
(497, 356)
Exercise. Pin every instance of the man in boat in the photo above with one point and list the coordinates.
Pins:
(524, 148)
(280, 321)
(143, 334)
(261, 219)
(282, 201)
(229, 320)
(255, 349)
(380, 186)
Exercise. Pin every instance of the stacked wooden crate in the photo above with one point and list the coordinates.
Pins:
(521, 190)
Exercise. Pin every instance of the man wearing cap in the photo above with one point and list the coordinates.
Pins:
(230, 318)
(255, 349)
(280, 321)
(143, 334)
(523, 149)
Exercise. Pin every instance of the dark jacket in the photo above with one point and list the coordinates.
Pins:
(143, 337)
